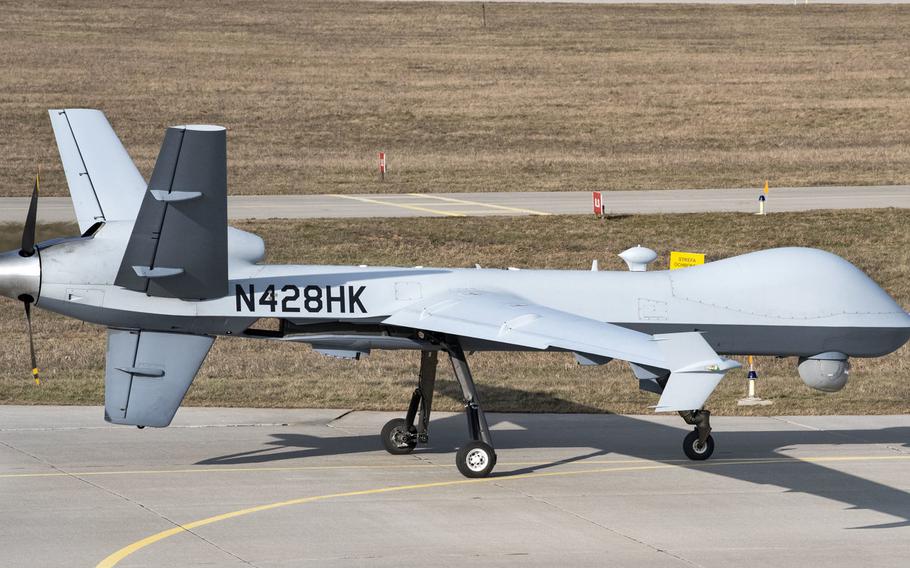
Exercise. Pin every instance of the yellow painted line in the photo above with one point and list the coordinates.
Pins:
(415, 465)
(402, 205)
(119, 555)
(116, 557)
(481, 203)
(197, 470)
(210, 470)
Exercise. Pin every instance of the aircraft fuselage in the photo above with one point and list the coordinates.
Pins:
(738, 303)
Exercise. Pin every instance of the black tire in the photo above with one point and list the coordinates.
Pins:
(399, 437)
(694, 451)
(475, 459)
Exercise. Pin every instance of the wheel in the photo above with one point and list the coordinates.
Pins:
(696, 451)
(475, 459)
(399, 437)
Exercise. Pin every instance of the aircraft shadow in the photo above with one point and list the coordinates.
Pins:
(604, 434)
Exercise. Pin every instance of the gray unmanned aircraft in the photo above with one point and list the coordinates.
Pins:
(158, 266)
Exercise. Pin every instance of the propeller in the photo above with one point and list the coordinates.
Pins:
(28, 231)
(31, 340)
(28, 249)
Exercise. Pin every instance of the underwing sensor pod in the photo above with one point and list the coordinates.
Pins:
(159, 267)
(827, 372)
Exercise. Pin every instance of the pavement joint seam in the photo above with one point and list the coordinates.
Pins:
(426, 459)
(165, 518)
(123, 498)
(839, 434)
(602, 526)
(339, 417)
(794, 423)
(897, 449)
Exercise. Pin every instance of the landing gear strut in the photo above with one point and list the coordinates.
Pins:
(401, 435)
(476, 458)
(698, 444)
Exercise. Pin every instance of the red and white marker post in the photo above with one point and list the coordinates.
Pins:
(382, 166)
(599, 207)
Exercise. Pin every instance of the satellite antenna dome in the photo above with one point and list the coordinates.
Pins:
(638, 258)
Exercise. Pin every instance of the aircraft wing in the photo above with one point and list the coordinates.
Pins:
(695, 369)
(148, 373)
(508, 319)
(103, 181)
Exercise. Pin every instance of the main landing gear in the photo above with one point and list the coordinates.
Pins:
(698, 444)
(477, 458)
(400, 436)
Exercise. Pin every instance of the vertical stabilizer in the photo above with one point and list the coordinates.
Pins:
(178, 248)
(103, 181)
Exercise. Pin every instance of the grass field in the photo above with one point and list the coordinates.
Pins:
(253, 373)
(545, 97)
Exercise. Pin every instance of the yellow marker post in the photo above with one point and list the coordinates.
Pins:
(752, 400)
(762, 198)
(685, 259)
(752, 376)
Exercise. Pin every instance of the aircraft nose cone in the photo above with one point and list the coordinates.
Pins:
(20, 275)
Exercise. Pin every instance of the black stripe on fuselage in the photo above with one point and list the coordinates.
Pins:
(786, 340)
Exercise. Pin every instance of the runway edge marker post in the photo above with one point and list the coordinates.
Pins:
(762, 198)
(600, 210)
(751, 399)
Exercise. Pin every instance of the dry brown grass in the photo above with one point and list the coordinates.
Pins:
(253, 373)
(546, 97)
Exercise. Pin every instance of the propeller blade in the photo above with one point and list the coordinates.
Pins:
(31, 340)
(28, 232)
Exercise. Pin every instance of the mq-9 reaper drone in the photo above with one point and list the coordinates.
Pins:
(158, 266)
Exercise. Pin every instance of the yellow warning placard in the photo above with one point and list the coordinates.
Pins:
(684, 259)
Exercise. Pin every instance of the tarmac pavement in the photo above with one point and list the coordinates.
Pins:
(745, 200)
(271, 488)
